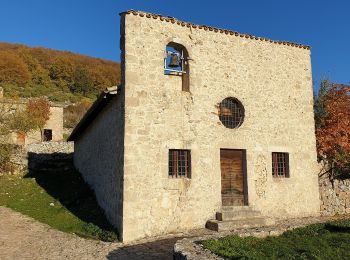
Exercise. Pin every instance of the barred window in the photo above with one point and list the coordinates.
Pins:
(280, 165)
(231, 113)
(180, 163)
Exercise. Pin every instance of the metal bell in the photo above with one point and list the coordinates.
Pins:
(225, 111)
(174, 61)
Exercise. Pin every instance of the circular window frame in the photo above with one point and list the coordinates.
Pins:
(231, 104)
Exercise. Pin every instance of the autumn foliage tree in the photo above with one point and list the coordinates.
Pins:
(59, 75)
(13, 118)
(13, 69)
(332, 114)
(38, 110)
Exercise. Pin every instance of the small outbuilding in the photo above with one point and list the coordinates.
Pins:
(52, 131)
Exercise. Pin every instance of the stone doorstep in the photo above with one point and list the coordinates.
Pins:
(232, 217)
(236, 214)
(227, 225)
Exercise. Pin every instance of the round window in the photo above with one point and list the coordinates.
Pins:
(231, 113)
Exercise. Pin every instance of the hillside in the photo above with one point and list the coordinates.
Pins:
(59, 75)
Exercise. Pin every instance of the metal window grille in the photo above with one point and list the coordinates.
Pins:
(280, 165)
(180, 163)
(231, 113)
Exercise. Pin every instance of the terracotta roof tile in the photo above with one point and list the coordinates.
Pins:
(206, 28)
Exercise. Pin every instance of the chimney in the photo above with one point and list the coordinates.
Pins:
(1, 92)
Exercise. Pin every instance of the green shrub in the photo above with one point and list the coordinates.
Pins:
(108, 236)
(97, 232)
(65, 136)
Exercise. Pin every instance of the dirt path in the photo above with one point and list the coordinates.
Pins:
(22, 237)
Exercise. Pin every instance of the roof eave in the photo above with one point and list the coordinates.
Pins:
(210, 28)
(102, 100)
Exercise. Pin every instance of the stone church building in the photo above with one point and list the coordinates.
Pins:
(207, 125)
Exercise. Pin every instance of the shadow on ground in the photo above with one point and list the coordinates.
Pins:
(338, 228)
(56, 174)
(160, 249)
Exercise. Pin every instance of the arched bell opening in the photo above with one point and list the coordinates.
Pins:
(176, 63)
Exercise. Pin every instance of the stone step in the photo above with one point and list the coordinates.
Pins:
(237, 214)
(237, 208)
(229, 225)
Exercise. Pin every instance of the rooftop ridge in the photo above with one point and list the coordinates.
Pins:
(210, 28)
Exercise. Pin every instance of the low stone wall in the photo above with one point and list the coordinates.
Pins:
(36, 155)
(51, 147)
(50, 155)
(335, 196)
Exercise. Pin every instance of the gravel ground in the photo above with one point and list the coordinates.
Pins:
(22, 237)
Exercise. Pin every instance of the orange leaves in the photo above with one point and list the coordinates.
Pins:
(333, 135)
(60, 75)
(13, 69)
(39, 111)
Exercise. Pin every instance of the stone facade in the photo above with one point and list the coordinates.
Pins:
(271, 79)
(335, 196)
(99, 157)
(274, 84)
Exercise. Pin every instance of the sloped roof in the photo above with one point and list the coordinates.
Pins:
(94, 110)
(173, 20)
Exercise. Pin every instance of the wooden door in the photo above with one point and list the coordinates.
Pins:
(233, 181)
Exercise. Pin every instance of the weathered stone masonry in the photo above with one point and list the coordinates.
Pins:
(335, 196)
(123, 152)
(98, 155)
(273, 82)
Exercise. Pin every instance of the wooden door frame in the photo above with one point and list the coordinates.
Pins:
(244, 169)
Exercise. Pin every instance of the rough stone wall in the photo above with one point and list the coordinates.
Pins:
(28, 156)
(99, 158)
(335, 196)
(50, 156)
(274, 84)
(50, 147)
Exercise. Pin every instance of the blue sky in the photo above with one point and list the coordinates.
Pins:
(91, 27)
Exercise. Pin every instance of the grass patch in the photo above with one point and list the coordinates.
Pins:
(60, 199)
(318, 241)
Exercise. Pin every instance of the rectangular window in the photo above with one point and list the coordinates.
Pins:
(179, 163)
(280, 165)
